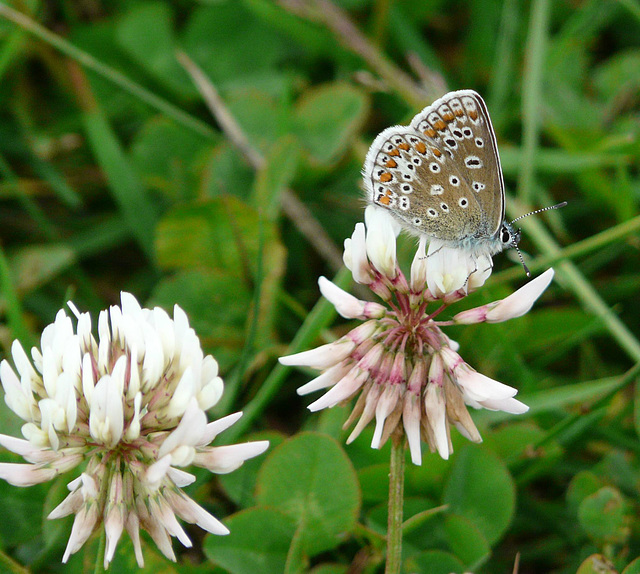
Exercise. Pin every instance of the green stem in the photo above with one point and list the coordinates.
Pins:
(102, 543)
(396, 499)
(102, 69)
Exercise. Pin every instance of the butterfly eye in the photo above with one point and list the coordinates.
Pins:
(505, 236)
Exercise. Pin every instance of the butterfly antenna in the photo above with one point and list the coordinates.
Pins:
(557, 206)
(526, 269)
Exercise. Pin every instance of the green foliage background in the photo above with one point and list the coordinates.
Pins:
(114, 176)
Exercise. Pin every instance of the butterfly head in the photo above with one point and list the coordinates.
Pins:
(509, 236)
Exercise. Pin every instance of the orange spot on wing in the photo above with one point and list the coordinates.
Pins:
(458, 112)
(404, 146)
(421, 148)
(384, 200)
(439, 125)
(394, 152)
(473, 114)
(436, 151)
(430, 132)
(385, 177)
(391, 163)
(447, 116)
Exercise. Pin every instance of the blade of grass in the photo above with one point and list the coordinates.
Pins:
(575, 250)
(125, 185)
(571, 278)
(48, 230)
(532, 94)
(15, 317)
(559, 161)
(318, 319)
(102, 69)
(506, 49)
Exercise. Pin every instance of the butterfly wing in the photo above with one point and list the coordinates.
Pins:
(418, 181)
(459, 124)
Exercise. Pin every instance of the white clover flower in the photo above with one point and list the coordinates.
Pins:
(131, 406)
(404, 370)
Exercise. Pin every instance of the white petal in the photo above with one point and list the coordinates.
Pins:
(513, 406)
(382, 230)
(225, 459)
(25, 474)
(214, 428)
(419, 266)
(157, 471)
(19, 446)
(355, 255)
(411, 423)
(210, 393)
(327, 379)
(106, 417)
(480, 387)
(88, 382)
(70, 505)
(180, 478)
(154, 359)
(82, 528)
(434, 404)
(183, 394)
(483, 269)
(132, 525)
(447, 269)
(519, 303)
(386, 404)
(345, 303)
(164, 327)
(191, 512)
(23, 365)
(19, 402)
(168, 519)
(321, 357)
(342, 390)
(188, 432)
(113, 527)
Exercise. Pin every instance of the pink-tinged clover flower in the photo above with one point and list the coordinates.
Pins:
(131, 407)
(404, 370)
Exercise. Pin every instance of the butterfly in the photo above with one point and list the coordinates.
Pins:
(440, 176)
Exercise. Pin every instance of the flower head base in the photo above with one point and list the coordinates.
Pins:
(403, 368)
(132, 407)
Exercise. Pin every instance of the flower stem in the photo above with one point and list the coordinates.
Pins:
(396, 499)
